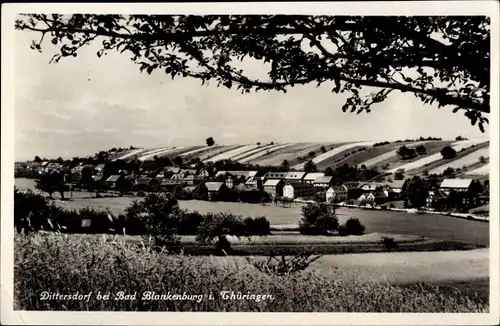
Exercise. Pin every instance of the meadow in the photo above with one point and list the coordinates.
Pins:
(66, 264)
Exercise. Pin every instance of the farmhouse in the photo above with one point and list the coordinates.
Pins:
(323, 182)
(274, 187)
(353, 189)
(396, 186)
(170, 186)
(217, 190)
(113, 180)
(294, 176)
(99, 169)
(455, 184)
(297, 189)
(311, 177)
(435, 198)
(336, 194)
(145, 183)
(375, 197)
(371, 186)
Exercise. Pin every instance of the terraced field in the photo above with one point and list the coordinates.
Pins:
(466, 160)
(253, 151)
(484, 170)
(152, 152)
(132, 153)
(216, 151)
(291, 153)
(267, 152)
(165, 153)
(360, 157)
(333, 154)
(387, 155)
(232, 153)
(457, 146)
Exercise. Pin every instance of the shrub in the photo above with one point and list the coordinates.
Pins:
(218, 227)
(189, 221)
(317, 219)
(257, 226)
(100, 221)
(389, 243)
(352, 226)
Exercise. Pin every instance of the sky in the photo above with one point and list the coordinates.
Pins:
(86, 104)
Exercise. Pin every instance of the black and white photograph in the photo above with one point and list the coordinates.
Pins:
(298, 160)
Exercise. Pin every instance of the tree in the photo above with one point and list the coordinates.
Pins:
(415, 192)
(440, 59)
(285, 166)
(323, 149)
(482, 159)
(449, 172)
(210, 141)
(318, 219)
(309, 166)
(421, 150)
(448, 152)
(51, 183)
(399, 175)
(405, 152)
(178, 160)
(37, 159)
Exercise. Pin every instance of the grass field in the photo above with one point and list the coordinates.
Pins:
(431, 226)
(484, 170)
(466, 160)
(231, 153)
(282, 154)
(388, 155)
(335, 151)
(261, 153)
(214, 151)
(351, 283)
(394, 162)
(363, 156)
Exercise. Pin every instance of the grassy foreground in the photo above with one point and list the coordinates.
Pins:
(67, 264)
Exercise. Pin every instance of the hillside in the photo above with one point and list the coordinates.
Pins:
(472, 155)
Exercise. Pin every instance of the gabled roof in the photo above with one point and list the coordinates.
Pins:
(295, 175)
(190, 188)
(438, 193)
(97, 177)
(456, 183)
(296, 185)
(143, 181)
(213, 185)
(323, 180)
(172, 169)
(353, 185)
(100, 166)
(113, 178)
(272, 182)
(380, 194)
(338, 188)
(313, 175)
(372, 185)
(275, 175)
(396, 184)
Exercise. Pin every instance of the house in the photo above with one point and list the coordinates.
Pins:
(169, 171)
(455, 184)
(396, 186)
(436, 198)
(353, 190)
(217, 190)
(199, 191)
(294, 190)
(113, 180)
(275, 175)
(99, 169)
(145, 183)
(170, 186)
(323, 182)
(99, 181)
(372, 186)
(311, 177)
(375, 197)
(192, 180)
(203, 173)
(295, 176)
(336, 194)
(229, 182)
(274, 187)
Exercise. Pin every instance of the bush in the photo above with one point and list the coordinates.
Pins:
(189, 221)
(258, 226)
(389, 244)
(89, 263)
(318, 219)
(448, 152)
(218, 227)
(352, 226)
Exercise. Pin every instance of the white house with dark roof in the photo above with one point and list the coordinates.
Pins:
(396, 186)
(312, 176)
(294, 190)
(336, 194)
(455, 184)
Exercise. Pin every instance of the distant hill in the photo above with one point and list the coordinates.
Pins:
(472, 155)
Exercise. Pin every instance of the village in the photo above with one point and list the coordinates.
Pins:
(257, 186)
